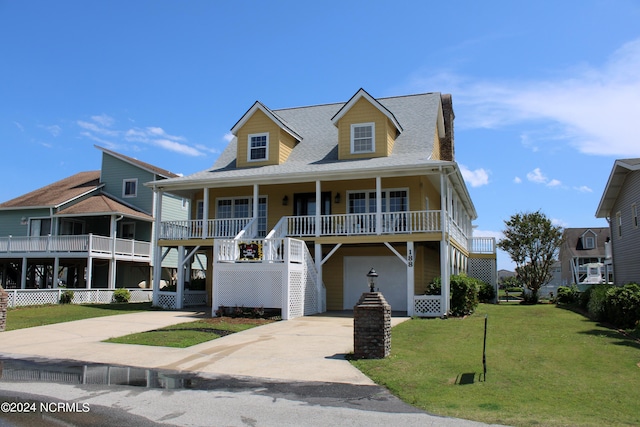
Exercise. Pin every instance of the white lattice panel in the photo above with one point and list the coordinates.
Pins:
(167, 301)
(483, 269)
(250, 287)
(141, 295)
(296, 294)
(427, 305)
(39, 297)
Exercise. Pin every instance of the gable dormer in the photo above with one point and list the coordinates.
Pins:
(365, 128)
(589, 240)
(263, 138)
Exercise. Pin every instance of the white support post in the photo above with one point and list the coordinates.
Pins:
(255, 201)
(318, 262)
(214, 286)
(411, 291)
(112, 259)
(444, 247)
(205, 213)
(180, 287)
(157, 255)
(378, 205)
(89, 272)
(56, 267)
(23, 277)
(318, 207)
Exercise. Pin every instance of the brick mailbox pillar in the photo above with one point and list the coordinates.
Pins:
(4, 301)
(372, 327)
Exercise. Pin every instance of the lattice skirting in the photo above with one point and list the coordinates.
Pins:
(249, 288)
(483, 269)
(427, 305)
(25, 297)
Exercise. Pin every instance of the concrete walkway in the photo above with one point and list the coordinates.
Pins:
(311, 348)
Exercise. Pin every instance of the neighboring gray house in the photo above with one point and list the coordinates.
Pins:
(619, 205)
(583, 251)
(91, 230)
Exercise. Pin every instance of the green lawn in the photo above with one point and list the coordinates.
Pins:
(26, 317)
(546, 366)
(190, 333)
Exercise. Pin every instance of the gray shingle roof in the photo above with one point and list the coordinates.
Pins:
(317, 153)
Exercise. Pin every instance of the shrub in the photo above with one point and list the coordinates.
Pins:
(567, 295)
(622, 306)
(121, 295)
(464, 293)
(486, 293)
(595, 301)
(66, 297)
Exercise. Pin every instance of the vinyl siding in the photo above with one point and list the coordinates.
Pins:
(10, 221)
(258, 123)
(626, 256)
(115, 171)
(363, 112)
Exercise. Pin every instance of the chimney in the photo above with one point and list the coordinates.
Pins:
(447, 151)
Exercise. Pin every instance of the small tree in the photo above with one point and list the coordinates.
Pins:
(532, 243)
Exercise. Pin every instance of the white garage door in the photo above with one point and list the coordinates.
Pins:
(392, 280)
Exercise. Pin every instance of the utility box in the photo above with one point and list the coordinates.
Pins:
(371, 327)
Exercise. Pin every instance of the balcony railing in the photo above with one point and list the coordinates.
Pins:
(201, 229)
(482, 245)
(87, 243)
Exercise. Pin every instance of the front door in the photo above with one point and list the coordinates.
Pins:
(305, 204)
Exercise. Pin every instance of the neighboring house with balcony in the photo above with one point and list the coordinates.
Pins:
(583, 256)
(91, 230)
(303, 202)
(620, 204)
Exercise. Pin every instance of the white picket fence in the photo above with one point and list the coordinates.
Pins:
(25, 297)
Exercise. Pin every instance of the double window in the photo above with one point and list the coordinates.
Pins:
(365, 201)
(258, 147)
(241, 207)
(363, 138)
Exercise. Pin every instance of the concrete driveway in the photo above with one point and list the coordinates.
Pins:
(311, 348)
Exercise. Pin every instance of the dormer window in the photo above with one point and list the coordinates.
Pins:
(363, 138)
(258, 147)
(589, 242)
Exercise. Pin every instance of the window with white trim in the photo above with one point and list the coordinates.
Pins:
(242, 207)
(363, 138)
(589, 242)
(258, 147)
(130, 187)
(365, 201)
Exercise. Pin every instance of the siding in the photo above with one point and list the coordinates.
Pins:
(11, 221)
(258, 123)
(363, 112)
(115, 171)
(626, 255)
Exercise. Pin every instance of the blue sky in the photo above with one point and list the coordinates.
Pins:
(546, 93)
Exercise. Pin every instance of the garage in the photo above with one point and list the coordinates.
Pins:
(392, 280)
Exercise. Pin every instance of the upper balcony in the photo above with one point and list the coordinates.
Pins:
(361, 224)
(75, 246)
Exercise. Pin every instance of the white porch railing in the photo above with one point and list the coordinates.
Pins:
(87, 243)
(482, 245)
(365, 223)
(200, 229)
(25, 297)
(259, 250)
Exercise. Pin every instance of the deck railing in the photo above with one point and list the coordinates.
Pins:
(482, 245)
(86, 243)
(259, 250)
(200, 229)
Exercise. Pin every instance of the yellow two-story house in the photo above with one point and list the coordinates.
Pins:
(304, 202)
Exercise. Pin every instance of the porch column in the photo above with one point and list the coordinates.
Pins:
(89, 272)
(56, 267)
(112, 261)
(318, 207)
(157, 255)
(444, 246)
(411, 288)
(205, 213)
(180, 287)
(255, 201)
(23, 276)
(378, 205)
(318, 262)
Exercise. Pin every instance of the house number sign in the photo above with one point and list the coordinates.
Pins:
(410, 258)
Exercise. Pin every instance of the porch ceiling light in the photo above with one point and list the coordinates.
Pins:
(371, 278)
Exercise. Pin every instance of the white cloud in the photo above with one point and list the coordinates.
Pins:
(100, 129)
(554, 183)
(54, 130)
(488, 233)
(583, 189)
(517, 180)
(559, 222)
(594, 108)
(537, 176)
(475, 178)
(228, 137)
